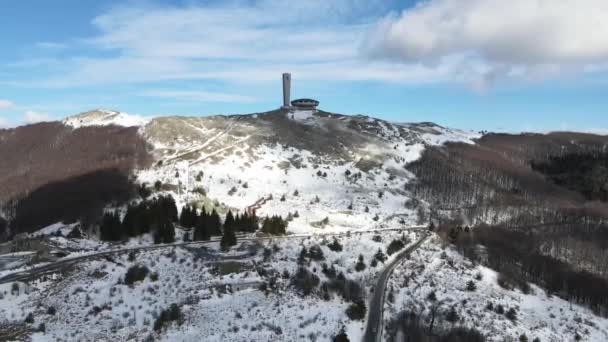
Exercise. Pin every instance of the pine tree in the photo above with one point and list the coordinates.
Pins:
(380, 256)
(229, 237)
(303, 256)
(471, 286)
(316, 253)
(335, 246)
(341, 337)
(165, 233)
(452, 316)
(201, 231)
(214, 224)
(111, 227)
(274, 225)
(360, 266)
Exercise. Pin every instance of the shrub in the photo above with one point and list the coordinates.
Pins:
(356, 311)
(341, 337)
(511, 314)
(51, 311)
(335, 246)
(304, 281)
(136, 273)
(500, 309)
(29, 318)
(316, 253)
(394, 246)
(471, 286)
(380, 256)
(452, 316)
(171, 314)
(360, 266)
(523, 338)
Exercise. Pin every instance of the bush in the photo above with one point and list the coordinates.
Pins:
(452, 316)
(380, 256)
(304, 281)
(335, 246)
(172, 314)
(356, 311)
(316, 253)
(360, 266)
(471, 286)
(394, 246)
(523, 338)
(341, 337)
(136, 273)
(500, 309)
(51, 311)
(29, 318)
(511, 314)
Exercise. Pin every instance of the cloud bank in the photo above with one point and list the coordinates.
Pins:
(477, 42)
(496, 38)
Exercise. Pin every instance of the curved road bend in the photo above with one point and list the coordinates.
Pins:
(373, 329)
(68, 262)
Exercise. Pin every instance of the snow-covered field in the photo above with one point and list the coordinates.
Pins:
(93, 302)
(432, 268)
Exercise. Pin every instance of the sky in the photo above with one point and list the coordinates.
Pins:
(518, 65)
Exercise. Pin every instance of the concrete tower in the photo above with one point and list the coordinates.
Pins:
(286, 90)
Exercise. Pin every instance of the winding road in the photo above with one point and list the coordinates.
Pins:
(59, 265)
(373, 329)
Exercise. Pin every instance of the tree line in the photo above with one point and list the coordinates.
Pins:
(517, 256)
(159, 216)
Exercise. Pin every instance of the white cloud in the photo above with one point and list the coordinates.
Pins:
(4, 123)
(478, 42)
(530, 38)
(31, 117)
(199, 96)
(5, 104)
(239, 41)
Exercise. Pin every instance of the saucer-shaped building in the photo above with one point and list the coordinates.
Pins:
(305, 104)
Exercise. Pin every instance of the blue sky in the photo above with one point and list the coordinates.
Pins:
(481, 64)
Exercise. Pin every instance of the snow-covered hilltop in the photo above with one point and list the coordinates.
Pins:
(102, 117)
(323, 165)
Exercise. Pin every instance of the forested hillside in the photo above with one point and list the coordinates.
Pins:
(50, 171)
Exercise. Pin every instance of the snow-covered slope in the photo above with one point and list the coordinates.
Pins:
(103, 117)
(350, 169)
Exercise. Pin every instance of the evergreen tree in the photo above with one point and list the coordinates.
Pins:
(316, 253)
(380, 256)
(165, 232)
(111, 227)
(471, 286)
(303, 256)
(335, 246)
(229, 223)
(229, 237)
(452, 316)
(356, 311)
(341, 337)
(201, 229)
(214, 224)
(360, 266)
(188, 217)
(274, 225)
